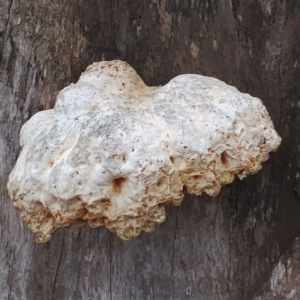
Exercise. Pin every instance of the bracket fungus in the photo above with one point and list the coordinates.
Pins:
(114, 151)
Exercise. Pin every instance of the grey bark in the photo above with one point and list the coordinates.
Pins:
(285, 280)
(208, 248)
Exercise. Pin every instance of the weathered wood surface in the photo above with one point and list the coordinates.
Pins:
(222, 248)
(285, 280)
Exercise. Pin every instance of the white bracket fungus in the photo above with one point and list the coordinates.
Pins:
(114, 151)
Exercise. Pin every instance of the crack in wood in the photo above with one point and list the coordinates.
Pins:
(58, 265)
(110, 265)
(9, 14)
(10, 277)
(174, 243)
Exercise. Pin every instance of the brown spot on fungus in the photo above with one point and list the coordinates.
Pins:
(160, 183)
(105, 203)
(117, 184)
(224, 158)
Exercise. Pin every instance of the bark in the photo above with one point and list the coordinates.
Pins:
(208, 248)
(285, 280)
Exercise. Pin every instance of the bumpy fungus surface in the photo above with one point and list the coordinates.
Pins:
(114, 151)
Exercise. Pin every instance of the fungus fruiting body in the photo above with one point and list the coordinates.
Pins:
(114, 151)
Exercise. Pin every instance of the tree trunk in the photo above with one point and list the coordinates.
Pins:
(208, 248)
